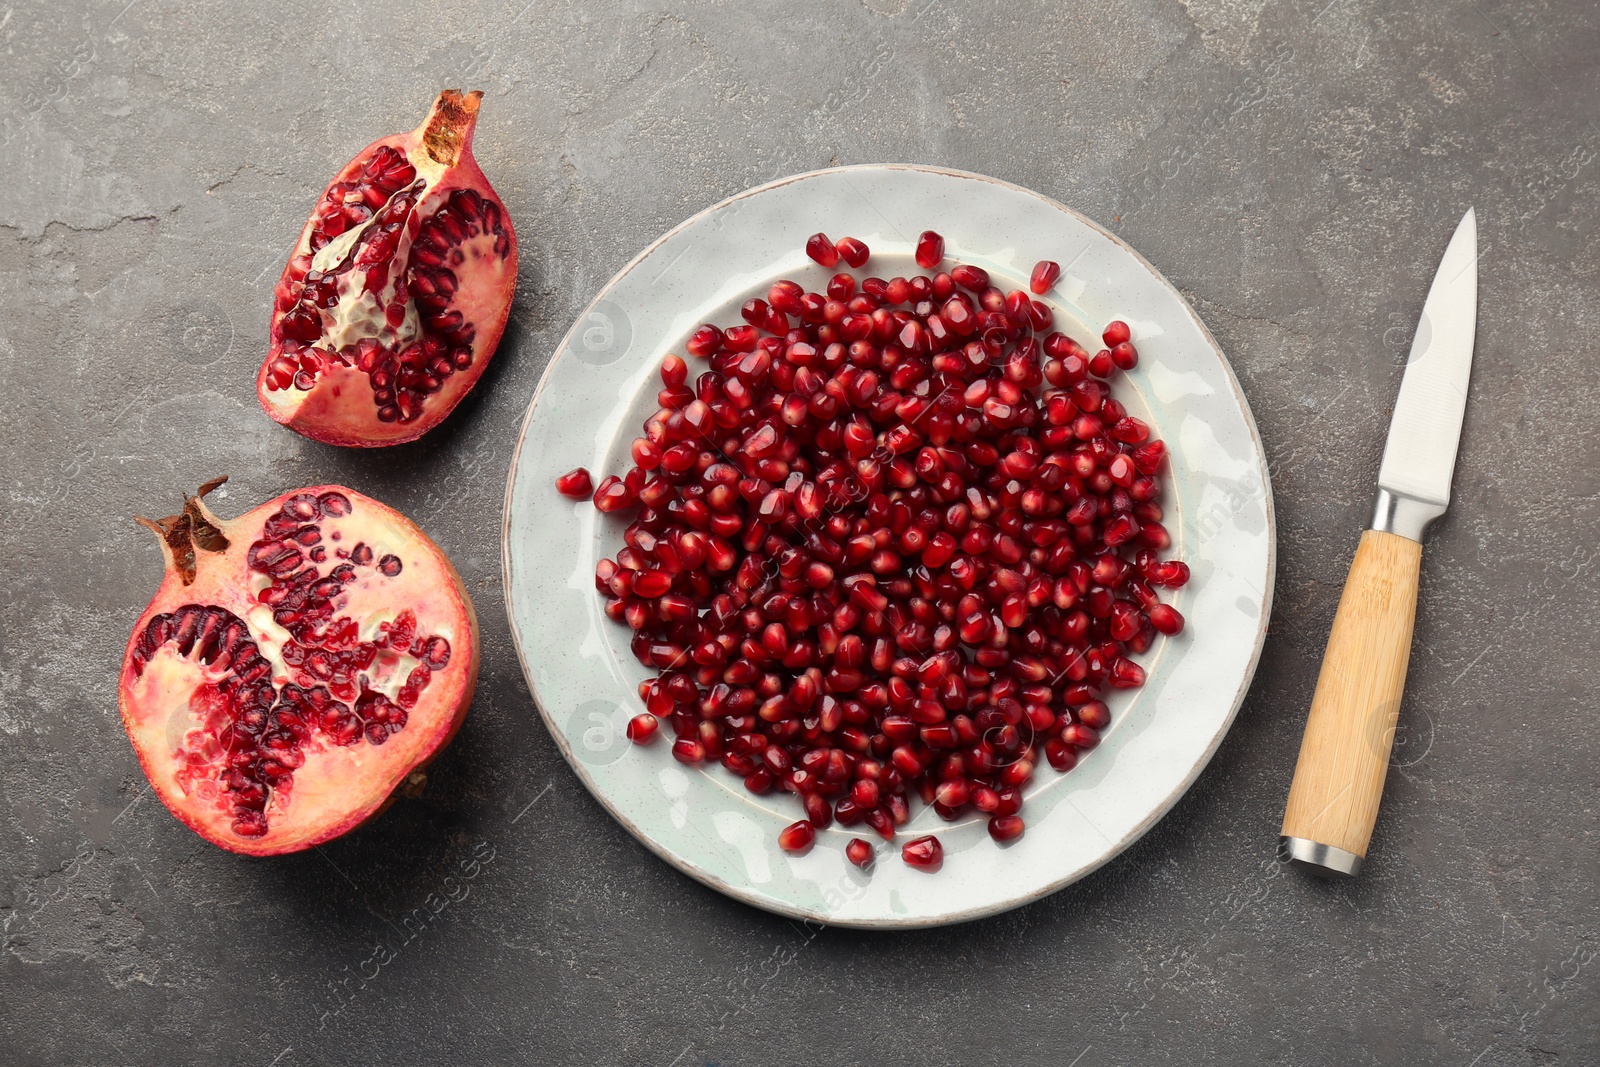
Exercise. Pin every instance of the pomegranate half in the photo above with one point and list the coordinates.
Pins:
(397, 292)
(298, 665)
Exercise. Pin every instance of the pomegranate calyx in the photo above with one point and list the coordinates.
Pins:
(448, 129)
(202, 530)
(191, 528)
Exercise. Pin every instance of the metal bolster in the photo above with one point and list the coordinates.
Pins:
(1316, 858)
(1404, 515)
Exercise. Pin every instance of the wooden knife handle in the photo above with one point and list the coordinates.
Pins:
(1344, 755)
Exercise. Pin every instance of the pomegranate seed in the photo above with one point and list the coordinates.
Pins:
(739, 338)
(1125, 621)
(613, 494)
(1094, 715)
(881, 822)
(858, 851)
(1045, 273)
(819, 813)
(1062, 757)
(1130, 430)
(973, 279)
(651, 584)
(924, 852)
(819, 248)
(575, 483)
(786, 296)
(674, 372)
(1126, 674)
(704, 342)
(1016, 307)
(853, 252)
(1115, 333)
(1005, 827)
(1172, 573)
(953, 793)
(797, 836)
(1154, 535)
(1148, 457)
(895, 542)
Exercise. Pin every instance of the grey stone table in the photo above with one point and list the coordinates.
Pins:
(1294, 166)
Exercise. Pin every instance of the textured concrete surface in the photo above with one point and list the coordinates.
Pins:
(1294, 166)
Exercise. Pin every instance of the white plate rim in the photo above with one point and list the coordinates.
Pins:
(1128, 838)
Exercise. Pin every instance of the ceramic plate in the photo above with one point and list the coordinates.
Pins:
(600, 387)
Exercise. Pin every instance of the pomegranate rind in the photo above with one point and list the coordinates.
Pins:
(338, 788)
(339, 409)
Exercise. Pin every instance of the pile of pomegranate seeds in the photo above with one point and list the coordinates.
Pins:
(893, 543)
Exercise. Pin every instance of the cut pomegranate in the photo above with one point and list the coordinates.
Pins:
(298, 665)
(892, 545)
(397, 292)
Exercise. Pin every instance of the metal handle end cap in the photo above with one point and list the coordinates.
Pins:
(1314, 857)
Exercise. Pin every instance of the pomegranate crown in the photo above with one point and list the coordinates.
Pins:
(191, 528)
(448, 129)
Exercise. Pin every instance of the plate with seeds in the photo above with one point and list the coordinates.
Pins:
(888, 546)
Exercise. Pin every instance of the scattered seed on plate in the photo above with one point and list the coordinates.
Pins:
(1045, 273)
(575, 483)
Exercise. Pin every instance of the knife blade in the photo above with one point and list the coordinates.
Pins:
(1344, 754)
(1420, 455)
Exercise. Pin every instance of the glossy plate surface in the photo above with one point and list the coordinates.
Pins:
(601, 385)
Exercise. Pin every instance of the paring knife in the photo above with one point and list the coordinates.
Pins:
(1333, 802)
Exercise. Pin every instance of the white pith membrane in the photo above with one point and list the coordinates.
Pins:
(363, 313)
(180, 709)
(360, 312)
